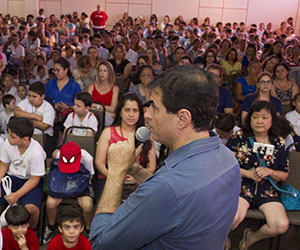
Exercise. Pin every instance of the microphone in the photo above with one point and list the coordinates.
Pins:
(142, 134)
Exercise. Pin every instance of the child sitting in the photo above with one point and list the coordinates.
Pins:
(9, 103)
(81, 116)
(85, 200)
(294, 118)
(17, 235)
(225, 126)
(8, 83)
(22, 93)
(71, 224)
(23, 159)
(40, 112)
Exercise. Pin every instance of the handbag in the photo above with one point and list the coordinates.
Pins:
(290, 196)
(289, 201)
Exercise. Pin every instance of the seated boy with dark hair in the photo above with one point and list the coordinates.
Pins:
(9, 104)
(70, 225)
(17, 235)
(39, 111)
(23, 159)
(81, 116)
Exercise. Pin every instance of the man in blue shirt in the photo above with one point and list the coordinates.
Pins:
(190, 202)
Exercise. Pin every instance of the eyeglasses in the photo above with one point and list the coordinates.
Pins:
(265, 82)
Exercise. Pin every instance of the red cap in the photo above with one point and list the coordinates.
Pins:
(70, 156)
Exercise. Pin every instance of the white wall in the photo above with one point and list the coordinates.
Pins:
(249, 11)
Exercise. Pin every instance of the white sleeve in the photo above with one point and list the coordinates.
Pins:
(69, 121)
(49, 115)
(22, 105)
(4, 152)
(37, 161)
(87, 161)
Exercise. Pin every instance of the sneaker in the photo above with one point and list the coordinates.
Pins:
(48, 234)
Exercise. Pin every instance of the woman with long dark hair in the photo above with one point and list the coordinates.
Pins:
(128, 118)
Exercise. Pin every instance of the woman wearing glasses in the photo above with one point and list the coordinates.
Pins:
(263, 93)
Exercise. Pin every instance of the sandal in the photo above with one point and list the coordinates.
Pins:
(242, 242)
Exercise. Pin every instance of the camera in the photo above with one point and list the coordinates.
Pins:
(263, 149)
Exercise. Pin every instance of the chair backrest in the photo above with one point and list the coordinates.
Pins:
(294, 169)
(285, 108)
(120, 83)
(40, 137)
(100, 115)
(85, 142)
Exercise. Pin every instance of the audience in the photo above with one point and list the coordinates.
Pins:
(96, 59)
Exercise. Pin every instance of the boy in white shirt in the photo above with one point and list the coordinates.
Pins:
(23, 159)
(40, 112)
(9, 103)
(81, 116)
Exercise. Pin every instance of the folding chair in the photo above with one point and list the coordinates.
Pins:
(41, 138)
(285, 108)
(100, 115)
(85, 142)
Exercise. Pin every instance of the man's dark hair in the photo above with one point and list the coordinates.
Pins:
(38, 87)
(70, 213)
(17, 215)
(7, 99)
(21, 126)
(85, 97)
(192, 88)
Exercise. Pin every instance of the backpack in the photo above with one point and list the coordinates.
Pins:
(67, 185)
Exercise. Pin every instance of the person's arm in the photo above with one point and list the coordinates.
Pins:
(2, 66)
(244, 114)
(124, 227)
(151, 166)
(295, 90)
(127, 71)
(90, 89)
(114, 101)
(21, 113)
(30, 184)
(276, 175)
(41, 125)
(228, 110)
(101, 152)
(238, 92)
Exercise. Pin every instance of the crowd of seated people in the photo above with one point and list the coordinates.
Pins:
(51, 60)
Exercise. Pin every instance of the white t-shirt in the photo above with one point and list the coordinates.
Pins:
(294, 118)
(89, 120)
(17, 52)
(30, 163)
(86, 160)
(4, 118)
(46, 110)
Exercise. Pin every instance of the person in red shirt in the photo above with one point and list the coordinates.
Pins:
(98, 19)
(71, 224)
(18, 235)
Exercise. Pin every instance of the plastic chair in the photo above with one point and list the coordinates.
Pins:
(100, 115)
(85, 142)
(41, 138)
(120, 82)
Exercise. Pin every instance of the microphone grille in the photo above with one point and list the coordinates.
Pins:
(142, 134)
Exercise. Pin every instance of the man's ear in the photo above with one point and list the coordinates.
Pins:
(184, 118)
(60, 229)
